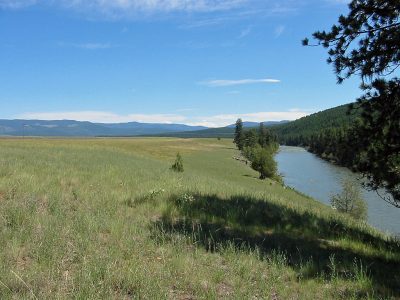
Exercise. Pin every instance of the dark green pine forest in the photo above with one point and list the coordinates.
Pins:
(338, 135)
(301, 131)
(328, 133)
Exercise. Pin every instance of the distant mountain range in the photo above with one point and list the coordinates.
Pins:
(71, 128)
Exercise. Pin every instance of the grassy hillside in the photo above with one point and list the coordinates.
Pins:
(305, 127)
(107, 218)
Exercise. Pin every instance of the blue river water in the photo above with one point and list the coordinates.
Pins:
(320, 179)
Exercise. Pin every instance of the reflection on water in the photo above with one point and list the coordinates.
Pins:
(319, 179)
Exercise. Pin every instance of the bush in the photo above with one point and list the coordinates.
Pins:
(350, 201)
(262, 160)
(178, 164)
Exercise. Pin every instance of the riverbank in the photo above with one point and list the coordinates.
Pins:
(320, 179)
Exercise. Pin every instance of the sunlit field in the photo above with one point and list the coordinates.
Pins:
(107, 218)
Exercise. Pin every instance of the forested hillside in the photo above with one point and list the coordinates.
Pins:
(330, 134)
(221, 132)
(301, 131)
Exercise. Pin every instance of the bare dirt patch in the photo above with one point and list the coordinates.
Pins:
(224, 290)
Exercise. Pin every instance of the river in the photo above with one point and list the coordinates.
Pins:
(320, 179)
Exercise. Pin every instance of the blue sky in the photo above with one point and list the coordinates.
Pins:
(202, 62)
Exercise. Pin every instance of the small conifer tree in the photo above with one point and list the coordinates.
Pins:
(238, 139)
(178, 164)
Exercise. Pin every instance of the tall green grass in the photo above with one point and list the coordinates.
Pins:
(107, 218)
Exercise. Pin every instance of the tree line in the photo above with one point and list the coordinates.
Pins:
(259, 147)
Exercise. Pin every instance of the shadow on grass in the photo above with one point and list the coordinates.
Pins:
(250, 176)
(214, 223)
(229, 148)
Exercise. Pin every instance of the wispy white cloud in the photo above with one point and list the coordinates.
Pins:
(249, 9)
(201, 12)
(129, 6)
(228, 82)
(279, 30)
(88, 46)
(16, 4)
(94, 46)
(103, 117)
(209, 121)
(160, 5)
(234, 92)
(245, 32)
(194, 45)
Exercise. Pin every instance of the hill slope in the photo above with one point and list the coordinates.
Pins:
(108, 219)
(295, 132)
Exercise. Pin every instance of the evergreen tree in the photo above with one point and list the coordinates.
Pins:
(251, 138)
(264, 138)
(366, 43)
(238, 139)
(379, 139)
(267, 138)
(178, 164)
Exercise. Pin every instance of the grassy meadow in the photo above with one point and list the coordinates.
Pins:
(108, 219)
